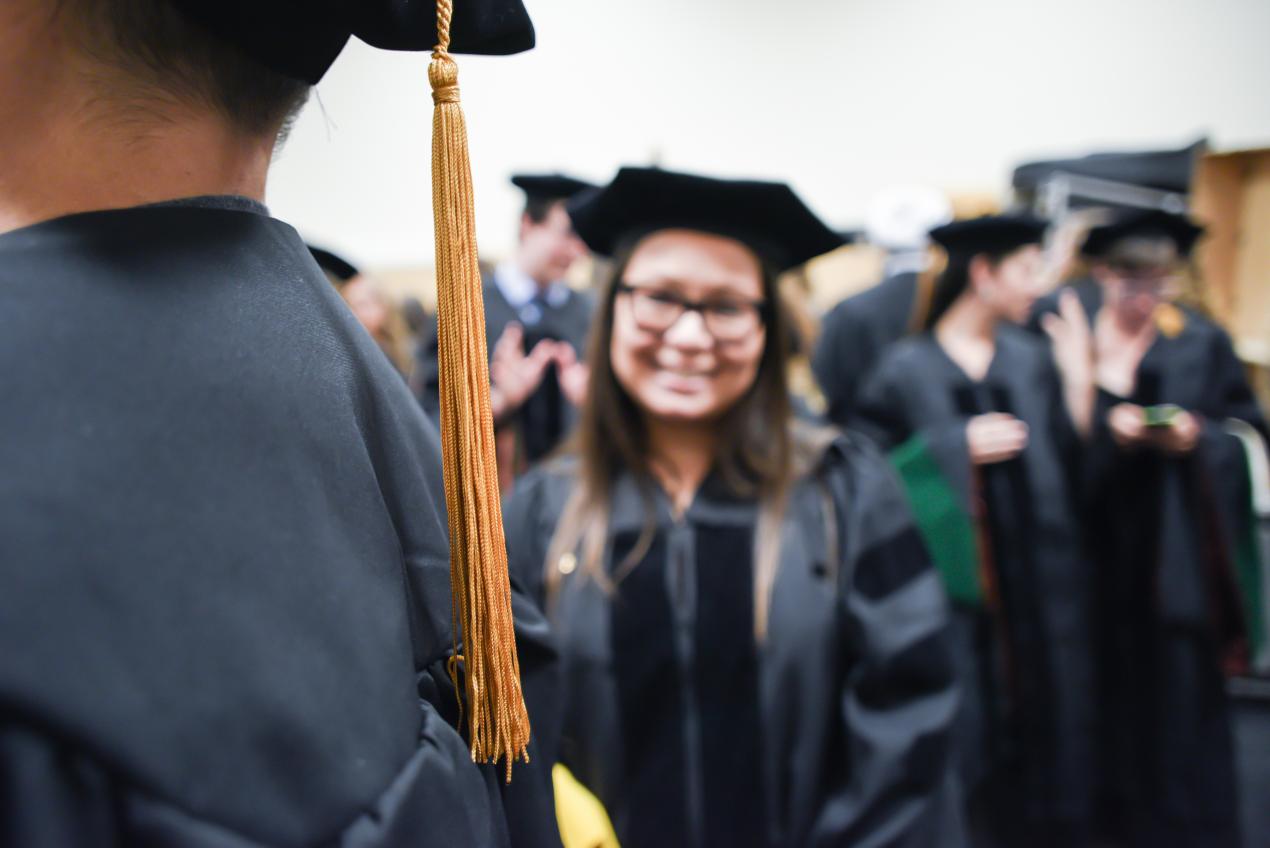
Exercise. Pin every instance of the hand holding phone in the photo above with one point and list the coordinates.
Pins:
(1161, 415)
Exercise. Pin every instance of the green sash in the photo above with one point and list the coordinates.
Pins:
(942, 520)
(1250, 569)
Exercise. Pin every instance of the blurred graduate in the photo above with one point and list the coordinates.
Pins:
(536, 327)
(1180, 602)
(983, 421)
(752, 636)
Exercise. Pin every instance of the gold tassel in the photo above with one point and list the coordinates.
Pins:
(498, 724)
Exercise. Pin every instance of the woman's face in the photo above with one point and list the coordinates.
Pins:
(1014, 283)
(688, 328)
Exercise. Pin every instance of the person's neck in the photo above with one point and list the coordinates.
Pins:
(529, 270)
(967, 331)
(681, 454)
(67, 151)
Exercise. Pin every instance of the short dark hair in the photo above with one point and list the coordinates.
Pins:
(169, 56)
(537, 208)
(953, 281)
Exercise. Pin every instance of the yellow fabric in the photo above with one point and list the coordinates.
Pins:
(1170, 320)
(498, 724)
(583, 821)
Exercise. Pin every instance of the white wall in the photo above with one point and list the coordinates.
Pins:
(839, 97)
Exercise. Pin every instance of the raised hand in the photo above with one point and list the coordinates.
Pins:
(572, 373)
(1072, 344)
(1178, 438)
(1127, 423)
(514, 375)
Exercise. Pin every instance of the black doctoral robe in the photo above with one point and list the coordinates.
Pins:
(1022, 632)
(546, 416)
(852, 337)
(224, 571)
(833, 731)
(1172, 616)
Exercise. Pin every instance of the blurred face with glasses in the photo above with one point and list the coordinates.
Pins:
(1137, 276)
(688, 325)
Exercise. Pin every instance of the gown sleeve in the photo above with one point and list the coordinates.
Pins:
(414, 479)
(899, 697)
(536, 643)
(837, 362)
(1234, 396)
(880, 411)
(1224, 474)
(899, 423)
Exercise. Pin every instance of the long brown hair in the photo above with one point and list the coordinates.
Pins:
(758, 452)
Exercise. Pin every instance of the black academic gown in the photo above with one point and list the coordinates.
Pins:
(854, 334)
(1024, 657)
(834, 731)
(1170, 615)
(224, 572)
(546, 416)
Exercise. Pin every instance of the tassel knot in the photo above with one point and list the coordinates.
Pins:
(445, 94)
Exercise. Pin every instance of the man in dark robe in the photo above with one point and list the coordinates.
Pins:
(853, 336)
(1169, 515)
(856, 331)
(535, 326)
(224, 569)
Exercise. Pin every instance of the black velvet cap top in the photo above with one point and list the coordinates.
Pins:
(994, 234)
(334, 264)
(766, 216)
(302, 38)
(550, 186)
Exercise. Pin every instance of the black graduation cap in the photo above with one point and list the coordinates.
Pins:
(766, 216)
(1182, 231)
(301, 38)
(993, 234)
(333, 264)
(550, 186)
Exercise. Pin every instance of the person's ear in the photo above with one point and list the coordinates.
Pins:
(980, 274)
(526, 225)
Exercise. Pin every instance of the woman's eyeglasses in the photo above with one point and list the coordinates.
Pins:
(726, 319)
(1160, 285)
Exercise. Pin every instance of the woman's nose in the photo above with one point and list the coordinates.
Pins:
(689, 331)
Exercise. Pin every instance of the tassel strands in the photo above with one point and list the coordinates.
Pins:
(498, 724)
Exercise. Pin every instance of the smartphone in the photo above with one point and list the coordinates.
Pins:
(1161, 415)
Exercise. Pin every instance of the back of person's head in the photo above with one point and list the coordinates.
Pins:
(150, 57)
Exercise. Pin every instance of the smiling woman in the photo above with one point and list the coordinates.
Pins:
(716, 570)
(687, 334)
